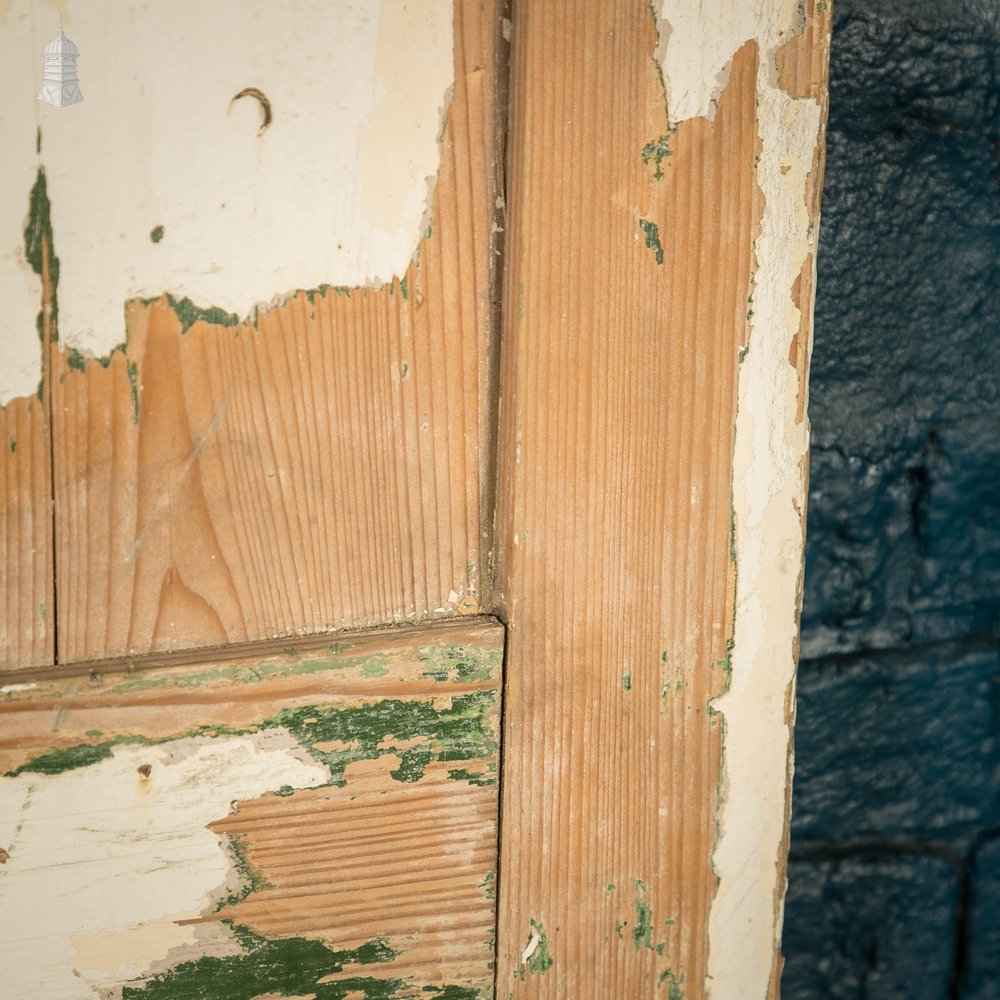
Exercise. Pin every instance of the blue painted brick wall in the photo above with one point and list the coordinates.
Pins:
(894, 879)
(979, 981)
(879, 927)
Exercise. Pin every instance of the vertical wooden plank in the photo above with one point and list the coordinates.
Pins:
(770, 475)
(27, 614)
(320, 465)
(633, 288)
(26, 536)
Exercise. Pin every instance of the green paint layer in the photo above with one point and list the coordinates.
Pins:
(656, 152)
(541, 959)
(458, 664)
(675, 984)
(460, 732)
(75, 360)
(133, 384)
(37, 232)
(189, 314)
(39, 226)
(489, 885)
(253, 879)
(481, 778)
(652, 232)
(65, 759)
(284, 967)
(642, 932)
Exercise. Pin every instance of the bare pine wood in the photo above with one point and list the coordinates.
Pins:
(389, 850)
(803, 71)
(320, 466)
(803, 66)
(26, 613)
(628, 279)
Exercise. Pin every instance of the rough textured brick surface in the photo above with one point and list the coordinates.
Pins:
(982, 971)
(904, 507)
(897, 728)
(878, 928)
(901, 746)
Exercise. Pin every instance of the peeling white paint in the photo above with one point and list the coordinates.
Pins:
(697, 44)
(14, 688)
(697, 41)
(335, 191)
(104, 863)
(531, 947)
(768, 500)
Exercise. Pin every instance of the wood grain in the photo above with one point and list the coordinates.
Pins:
(372, 850)
(319, 466)
(628, 278)
(26, 634)
(803, 71)
(28, 611)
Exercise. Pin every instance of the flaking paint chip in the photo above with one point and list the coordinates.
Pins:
(531, 947)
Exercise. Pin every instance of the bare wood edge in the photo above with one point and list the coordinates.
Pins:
(490, 409)
(770, 493)
(490, 477)
(49, 336)
(808, 77)
(27, 516)
(239, 651)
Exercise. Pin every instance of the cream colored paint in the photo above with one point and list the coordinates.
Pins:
(769, 501)
(103, 863)
(697, 43)
(335, 191)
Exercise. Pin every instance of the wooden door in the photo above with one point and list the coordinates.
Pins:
(314, 819)
(261, 250)
(382, 343)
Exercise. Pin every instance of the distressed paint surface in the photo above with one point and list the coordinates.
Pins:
(619, 363)
(698, 42)
(252, 822)
(336, 189)
(145, 842)
(323, 464)
(625, 564)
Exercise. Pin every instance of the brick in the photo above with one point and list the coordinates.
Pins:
(901, 746)
(904, 509)
(982, 971)
(861, 927)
